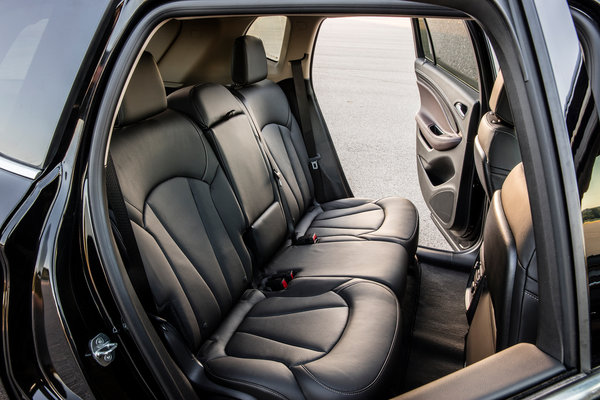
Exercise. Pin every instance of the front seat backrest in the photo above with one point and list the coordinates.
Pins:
(507, 310)
(496, 147)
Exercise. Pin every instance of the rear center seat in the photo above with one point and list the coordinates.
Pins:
(322, 337)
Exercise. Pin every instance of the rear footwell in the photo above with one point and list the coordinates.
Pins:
(436, 348)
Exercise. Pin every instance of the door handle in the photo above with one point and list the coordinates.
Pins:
(461, 108)
(435, 136)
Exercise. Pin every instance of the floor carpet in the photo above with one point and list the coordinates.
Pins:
(437, 343)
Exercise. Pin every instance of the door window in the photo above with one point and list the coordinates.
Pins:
(448, 44)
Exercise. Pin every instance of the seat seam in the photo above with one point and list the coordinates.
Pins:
(346, 215)
(533, 296)
(189, 260)
(252, 384)
(280, 341)
(227, 281)
(227, 231)
(179, 279)
(385, 363)
(295, 175)
(297, 312)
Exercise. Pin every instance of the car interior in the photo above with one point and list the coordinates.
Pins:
(266, 277)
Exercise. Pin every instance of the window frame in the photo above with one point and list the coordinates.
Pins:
(430, 43)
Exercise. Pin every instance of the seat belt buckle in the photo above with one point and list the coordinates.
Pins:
(309, 238)
(314, 161)
(277, 282)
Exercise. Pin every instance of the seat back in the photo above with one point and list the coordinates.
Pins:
(507, 310)
(230, 132)
(185, 217)
(272, 113)
(496, 147)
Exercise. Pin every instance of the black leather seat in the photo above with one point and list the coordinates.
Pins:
(322, 337)
(507, 310)
(496, 147)
(239, 149)
(389, 219)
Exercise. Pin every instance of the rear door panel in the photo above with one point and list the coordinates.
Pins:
(447, 123)
(445, 143)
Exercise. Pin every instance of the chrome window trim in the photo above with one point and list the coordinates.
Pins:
(18, 168)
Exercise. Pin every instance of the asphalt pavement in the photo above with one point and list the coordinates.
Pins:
(364, 80)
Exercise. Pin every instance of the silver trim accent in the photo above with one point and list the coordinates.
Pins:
(18, 168)
(103, 350)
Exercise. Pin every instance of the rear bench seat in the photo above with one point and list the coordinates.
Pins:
(323, 337)
(230, 132)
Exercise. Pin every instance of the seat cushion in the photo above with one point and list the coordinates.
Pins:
(313, 340)
(391, 219)
(379, 261)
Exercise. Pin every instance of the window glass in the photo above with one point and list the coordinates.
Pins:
(453, 49)
(42, 45)
(271, 30)
(425, 40)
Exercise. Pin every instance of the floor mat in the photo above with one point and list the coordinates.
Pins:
(440, 326)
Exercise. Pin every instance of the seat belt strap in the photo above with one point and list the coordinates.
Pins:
(131, 257)
(306, 125)
(278, 179)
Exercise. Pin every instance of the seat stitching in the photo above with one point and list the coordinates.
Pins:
(189, 259)
(226, 230)
(131, 204)
(280, 341)
(297, 312)
(416, 229)
(341, 227)
(533, 296)
(385, 363)
(345, 215)
(295, 175)
(217, 256)
(176, 274)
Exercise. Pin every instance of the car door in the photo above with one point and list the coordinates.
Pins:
(450, 88)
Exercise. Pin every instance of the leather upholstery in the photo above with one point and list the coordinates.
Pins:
(509, 261)
(325, 336)
(314, 340)
(496, 146)
(230, 132)
(147, 95)
(240, 154)
(392, 218)
(504, 375)
(249, 60)
(382, 262)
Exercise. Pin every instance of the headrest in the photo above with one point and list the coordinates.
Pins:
(145, 95)
(499, 101)
(249, 61)
(209, 104)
